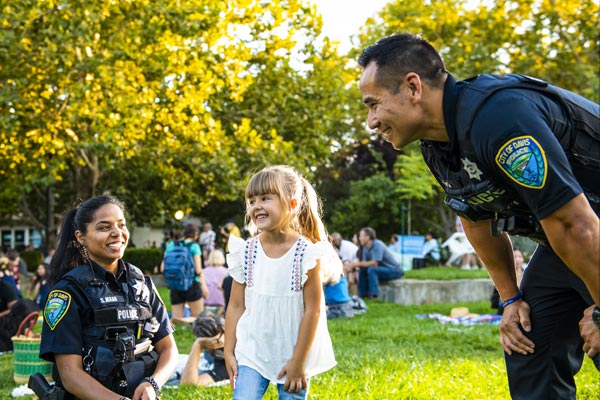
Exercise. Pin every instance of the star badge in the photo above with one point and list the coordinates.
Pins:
(471, 168)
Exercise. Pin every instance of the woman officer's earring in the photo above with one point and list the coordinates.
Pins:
(84, 251)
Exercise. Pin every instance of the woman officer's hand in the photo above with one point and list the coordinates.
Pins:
(144, 391)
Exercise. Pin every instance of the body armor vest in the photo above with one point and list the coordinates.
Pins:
(116, 346)
(484, 198)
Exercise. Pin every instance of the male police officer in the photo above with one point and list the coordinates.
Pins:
(513, 155)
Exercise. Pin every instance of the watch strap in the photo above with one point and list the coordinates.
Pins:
(596, 316)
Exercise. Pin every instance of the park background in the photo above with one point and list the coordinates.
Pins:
(171, 106)
(387, 353)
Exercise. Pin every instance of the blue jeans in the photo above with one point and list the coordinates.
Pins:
(250, 385)
(368, 279)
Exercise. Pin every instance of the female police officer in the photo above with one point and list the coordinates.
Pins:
(106, 329)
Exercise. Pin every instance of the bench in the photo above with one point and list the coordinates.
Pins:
(419, 291)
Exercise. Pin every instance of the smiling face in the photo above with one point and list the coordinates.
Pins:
(266, 212)
(106, 236)
(394, 115)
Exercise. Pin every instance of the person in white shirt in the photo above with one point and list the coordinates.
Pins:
(430, 254)
(207, 240)
(348, 254)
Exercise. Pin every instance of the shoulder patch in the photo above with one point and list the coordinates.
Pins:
(56, 307)
(524, 161)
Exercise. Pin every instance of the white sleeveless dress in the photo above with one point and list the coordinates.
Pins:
(268, 329)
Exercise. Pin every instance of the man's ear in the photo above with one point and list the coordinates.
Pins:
(414, 85)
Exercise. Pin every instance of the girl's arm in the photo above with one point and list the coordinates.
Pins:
(294, 369)
(235, 309)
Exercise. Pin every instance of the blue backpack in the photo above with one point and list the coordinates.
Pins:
(178, 267)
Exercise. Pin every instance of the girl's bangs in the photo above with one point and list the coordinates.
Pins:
(265, 182)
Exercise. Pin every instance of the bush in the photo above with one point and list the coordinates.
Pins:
(145, 259)
(33, 258)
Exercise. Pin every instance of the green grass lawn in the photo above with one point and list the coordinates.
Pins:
(445, 273)
(387, 353)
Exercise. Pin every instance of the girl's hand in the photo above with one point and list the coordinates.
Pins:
(295, 380)
(232, 369)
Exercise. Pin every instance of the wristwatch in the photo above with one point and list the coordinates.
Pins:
(596, 316)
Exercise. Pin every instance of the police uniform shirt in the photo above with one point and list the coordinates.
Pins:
(62, 333)
(515, 136)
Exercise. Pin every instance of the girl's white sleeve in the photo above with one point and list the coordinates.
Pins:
(235, 258)
(331, 265)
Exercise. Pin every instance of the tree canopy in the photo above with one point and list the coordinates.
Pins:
(167, 105)
(556, 40)
(171, 105)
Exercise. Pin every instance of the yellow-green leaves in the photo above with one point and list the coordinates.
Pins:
(169, 102)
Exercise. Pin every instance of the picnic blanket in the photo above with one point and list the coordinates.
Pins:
(471, 319)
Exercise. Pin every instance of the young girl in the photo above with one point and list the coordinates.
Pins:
(276, 327)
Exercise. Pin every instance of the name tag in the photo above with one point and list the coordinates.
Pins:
(110, 299)
(127, 314)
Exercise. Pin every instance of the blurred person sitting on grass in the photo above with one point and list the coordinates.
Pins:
(431, 252)
(209, 330)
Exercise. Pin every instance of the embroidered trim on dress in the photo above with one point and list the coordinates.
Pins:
(249, 261)
(296, 284)
(251, 250)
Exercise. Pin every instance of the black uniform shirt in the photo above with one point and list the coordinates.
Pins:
(515, 137)
(71, 312)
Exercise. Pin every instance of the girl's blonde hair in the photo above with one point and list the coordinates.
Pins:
(215, 257)
(285, 182)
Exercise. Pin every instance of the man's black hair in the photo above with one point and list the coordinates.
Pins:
(399, 54)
